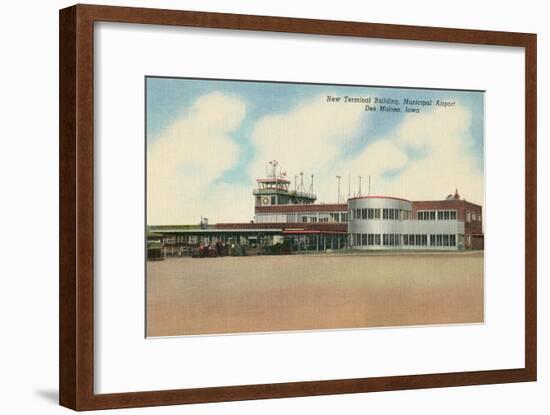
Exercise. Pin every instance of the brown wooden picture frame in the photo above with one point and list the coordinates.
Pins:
(76, 180)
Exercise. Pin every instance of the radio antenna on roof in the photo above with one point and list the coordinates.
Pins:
(339, 178)
(369, 184)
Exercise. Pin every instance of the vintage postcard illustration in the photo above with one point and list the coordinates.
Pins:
(276, 206)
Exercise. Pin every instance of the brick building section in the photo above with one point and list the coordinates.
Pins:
(473, 229)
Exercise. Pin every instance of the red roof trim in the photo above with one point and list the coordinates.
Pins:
(318, 226)
(302, 208)
(447, 202)
(316, 232)
(379, 197)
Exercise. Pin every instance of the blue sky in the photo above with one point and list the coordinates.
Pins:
(171, 100)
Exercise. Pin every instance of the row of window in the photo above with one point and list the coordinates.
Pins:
(446, 215)
(397, 239)
(443, 240)
(317, 217)
(369, 213)
(377, 213)
(433, 214)
(321, 217)
(415, 240)
(283, 200)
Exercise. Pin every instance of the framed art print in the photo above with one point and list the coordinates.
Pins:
(257, 207)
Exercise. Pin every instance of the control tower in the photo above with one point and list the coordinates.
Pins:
(275, 189)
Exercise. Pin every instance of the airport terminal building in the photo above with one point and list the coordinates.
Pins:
(282, 215)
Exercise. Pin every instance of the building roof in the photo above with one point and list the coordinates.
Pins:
(311, 232)
(318, 226)
(378, 197)
(217, 230)
(454, 196)
(303, 208)
(444, 203)
(273, 180)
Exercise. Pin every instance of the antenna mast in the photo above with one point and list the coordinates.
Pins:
(274, 163)
(311, 187)
(369, 184)
(339, 178)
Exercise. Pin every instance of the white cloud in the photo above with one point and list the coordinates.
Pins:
(446, 160)
(310, 138)
(313, 138)
(185, 160)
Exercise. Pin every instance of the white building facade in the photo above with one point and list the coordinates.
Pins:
(387, 223)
